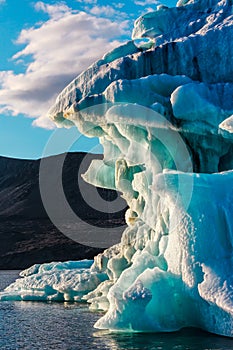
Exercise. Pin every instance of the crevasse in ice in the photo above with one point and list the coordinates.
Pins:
(163, 113)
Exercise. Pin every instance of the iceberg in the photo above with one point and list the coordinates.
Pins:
(163, 113)
(55, 281)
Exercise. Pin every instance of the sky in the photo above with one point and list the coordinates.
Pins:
(44, 45)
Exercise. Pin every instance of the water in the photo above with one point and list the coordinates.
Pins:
(45, 326)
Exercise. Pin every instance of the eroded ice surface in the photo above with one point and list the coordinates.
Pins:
(163, 113)
(57, 281)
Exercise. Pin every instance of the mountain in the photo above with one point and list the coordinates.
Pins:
(27, 235)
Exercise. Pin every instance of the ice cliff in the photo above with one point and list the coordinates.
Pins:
(162, 109)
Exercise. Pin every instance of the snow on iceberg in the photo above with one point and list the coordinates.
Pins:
(163, 113)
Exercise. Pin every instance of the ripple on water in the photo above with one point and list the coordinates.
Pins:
(69, 326)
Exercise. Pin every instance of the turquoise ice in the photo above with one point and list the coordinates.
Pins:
(163, 113)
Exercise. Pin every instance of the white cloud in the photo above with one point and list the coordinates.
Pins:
(43, 122)
(55, 11)
(147, 2)
(118, 5)
(92, 2)
(149, 9)
(59, 50)
(2, 1)
(104, 10)
(108, 12)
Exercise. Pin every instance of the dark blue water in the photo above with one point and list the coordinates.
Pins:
(45, 326)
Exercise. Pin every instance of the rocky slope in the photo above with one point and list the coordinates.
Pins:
(27, 235)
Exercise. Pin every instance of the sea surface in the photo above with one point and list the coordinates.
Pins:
(69, 326)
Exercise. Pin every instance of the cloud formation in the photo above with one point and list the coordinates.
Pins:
(147, 2)
(91, 2)
(55, 11)
(107, 10)
(54, 53)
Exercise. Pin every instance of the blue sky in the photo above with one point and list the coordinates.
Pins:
(44, 45)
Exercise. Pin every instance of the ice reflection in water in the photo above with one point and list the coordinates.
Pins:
(187, 339)
(66, 326)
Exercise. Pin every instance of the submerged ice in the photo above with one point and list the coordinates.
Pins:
(163, 113)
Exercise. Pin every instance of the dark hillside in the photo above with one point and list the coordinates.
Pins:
(27, 235)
